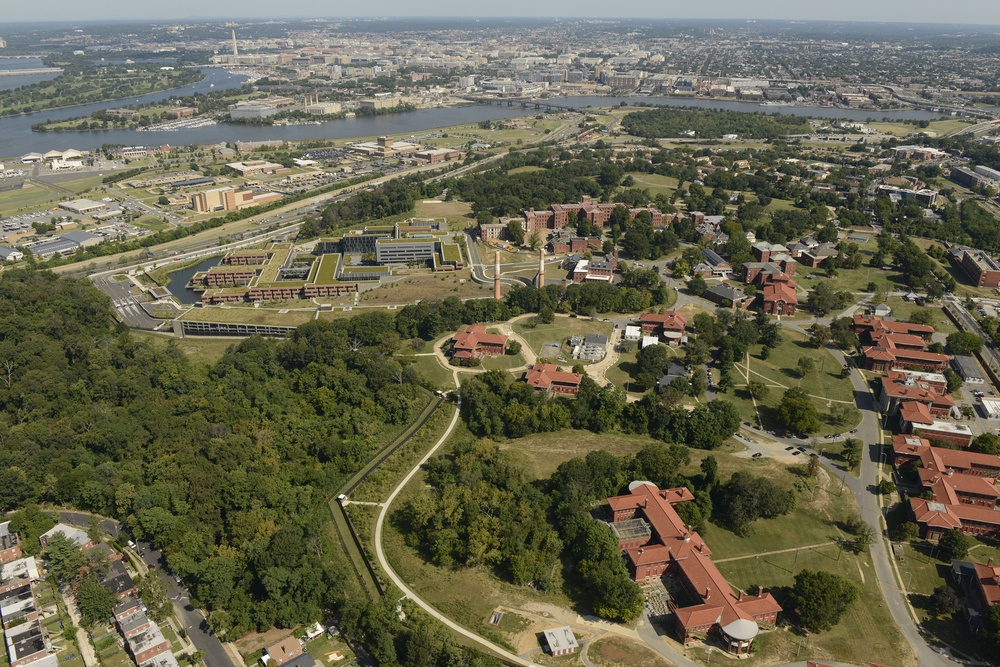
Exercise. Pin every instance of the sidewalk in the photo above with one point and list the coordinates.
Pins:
(83, 642)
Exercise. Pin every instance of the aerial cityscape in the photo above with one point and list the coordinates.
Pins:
(466, 342)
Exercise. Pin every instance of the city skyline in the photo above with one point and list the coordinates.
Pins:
(978, 12)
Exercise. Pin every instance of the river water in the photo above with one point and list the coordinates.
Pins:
(10, 82)
(16, 137)
(179, 280)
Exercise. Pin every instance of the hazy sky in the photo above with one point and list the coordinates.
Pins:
(976, 12)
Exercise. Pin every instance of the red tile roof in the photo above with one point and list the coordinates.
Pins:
(915, 413)
(543, 376)
(670, 319)
(673, 541)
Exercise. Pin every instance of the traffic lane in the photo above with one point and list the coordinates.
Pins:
(193, 621)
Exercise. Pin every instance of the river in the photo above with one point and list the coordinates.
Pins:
(16, 137)
(10, 82)
(179, 280)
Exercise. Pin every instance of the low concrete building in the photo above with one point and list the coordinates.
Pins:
(561, 641)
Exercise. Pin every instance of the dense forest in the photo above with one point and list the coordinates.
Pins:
(711, 123)
(228, 469)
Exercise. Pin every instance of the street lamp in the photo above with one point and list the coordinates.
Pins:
(909, 577)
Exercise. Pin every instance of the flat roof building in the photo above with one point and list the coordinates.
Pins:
(83, 206)
(968, 369)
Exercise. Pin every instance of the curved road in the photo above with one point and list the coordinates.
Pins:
(399, 583)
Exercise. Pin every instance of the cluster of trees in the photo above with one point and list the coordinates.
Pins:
(483, 513)
(392, 198)
(711, 123)
(820, 599)
(562, 178)
(745, 498)
(227, 469)
(494, 406)
(639, 290)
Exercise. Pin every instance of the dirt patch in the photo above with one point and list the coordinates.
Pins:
(623, 652)
(254, 641)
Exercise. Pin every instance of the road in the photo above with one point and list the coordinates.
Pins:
(191, 620)
(399, 583)
(127, 306)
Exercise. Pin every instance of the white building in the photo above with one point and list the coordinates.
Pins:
(633, 332)
(10, 254)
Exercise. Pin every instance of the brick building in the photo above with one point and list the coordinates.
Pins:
(474, 342)
(548, 378)
(656, 541)
(10, 545)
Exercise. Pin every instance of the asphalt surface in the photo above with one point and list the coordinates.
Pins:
(127, 306)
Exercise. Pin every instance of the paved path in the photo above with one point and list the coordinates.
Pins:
(399, 583)
(86, 648)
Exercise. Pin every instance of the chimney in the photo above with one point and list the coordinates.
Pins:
(741, 596)
(708, 592)
(989, 563)
(645, 502)
(541, 268)
(496, 276)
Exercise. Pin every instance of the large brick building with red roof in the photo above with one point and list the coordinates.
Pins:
(887, 344)
(548, 378)
(778, 296)
(656, 541)
(474, 342)
(962, 484)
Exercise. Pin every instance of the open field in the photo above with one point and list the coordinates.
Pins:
(205, 351)
(559, 332)
(249, 315)
(503, 362)
(655, 183)
(429, 286)
(452, 210)
(823, 383)
(542, 453)
(866, 633)
(612, 651)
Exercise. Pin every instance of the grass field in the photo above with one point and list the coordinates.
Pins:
(865, 634)
(503, 362)
(204, 351)
(655, 183)
(323, 646)
(249, 316)
(542, 453)
(823, 383)
(611, 651)
(560, 331)
(430, 286)
(435, 373)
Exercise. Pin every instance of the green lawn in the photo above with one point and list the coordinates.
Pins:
(903, 310)
(851, 280)
(503, 362)
(204, 351)
(823, 383)
(430, 368)
(865, 634)
(560, 331)
(323, 646)
(541, 453)
(655, 183)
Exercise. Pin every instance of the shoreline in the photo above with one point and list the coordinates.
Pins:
(111, 99)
